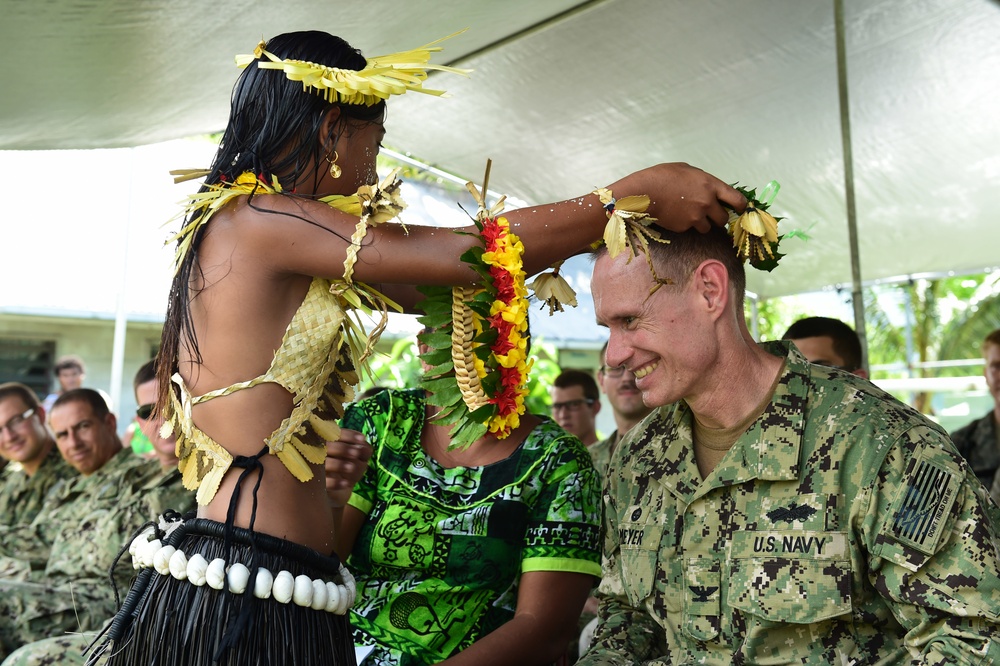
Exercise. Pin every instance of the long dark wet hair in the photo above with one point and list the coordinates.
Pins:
(272, 130)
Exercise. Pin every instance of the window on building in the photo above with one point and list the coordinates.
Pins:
(27, 361)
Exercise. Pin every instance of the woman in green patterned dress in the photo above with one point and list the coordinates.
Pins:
(477, 556)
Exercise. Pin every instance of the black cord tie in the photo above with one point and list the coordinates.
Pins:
(249, 464)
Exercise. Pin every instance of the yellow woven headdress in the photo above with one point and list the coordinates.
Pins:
(382, 76)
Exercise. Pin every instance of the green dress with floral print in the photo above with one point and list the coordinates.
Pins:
(440, 555)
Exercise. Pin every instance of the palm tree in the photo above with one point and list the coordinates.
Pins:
(948, 319)
(963, 336)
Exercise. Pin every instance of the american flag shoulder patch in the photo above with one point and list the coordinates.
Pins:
(920, 512)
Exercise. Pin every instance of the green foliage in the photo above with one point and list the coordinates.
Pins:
(400, 368)
(949, 317)
(774, 316)
(886, 341)
(963, 336)
(543, 374)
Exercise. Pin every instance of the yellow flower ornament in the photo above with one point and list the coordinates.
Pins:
(623, 213)
(382, 76)
(553, 290)
(755, 232)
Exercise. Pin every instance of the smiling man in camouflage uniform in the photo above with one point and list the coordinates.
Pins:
(86, 520)
(770, 510)
(26, 440)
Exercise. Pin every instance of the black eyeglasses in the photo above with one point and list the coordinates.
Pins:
(144, 411)
(16, 421)
(614, 372)
(571, 405)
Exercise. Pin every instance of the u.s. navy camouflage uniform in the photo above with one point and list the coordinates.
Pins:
(68, 502)
(80, 537)
(841, 528)
(600, 454)
(22, 496)
(978, 444)
(65, 650)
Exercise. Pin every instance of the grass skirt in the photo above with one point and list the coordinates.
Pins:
(164, 621)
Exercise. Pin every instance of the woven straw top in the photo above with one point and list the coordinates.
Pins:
(313, 363)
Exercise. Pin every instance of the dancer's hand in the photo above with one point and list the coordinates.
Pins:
(346, 462)
(682, 196)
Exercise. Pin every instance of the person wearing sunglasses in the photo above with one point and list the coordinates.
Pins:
(135, 437)
(25, 440)
(146, 386)
(165, 490)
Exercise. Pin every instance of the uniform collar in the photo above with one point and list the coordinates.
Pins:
(663, 449)
(123, 459)
(771, 445)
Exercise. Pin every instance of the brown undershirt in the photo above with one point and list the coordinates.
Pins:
(711, 444)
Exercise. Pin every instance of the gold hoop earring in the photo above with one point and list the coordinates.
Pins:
(335, 170)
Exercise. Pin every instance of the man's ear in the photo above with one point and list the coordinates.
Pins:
(327, 129)
(711, 280)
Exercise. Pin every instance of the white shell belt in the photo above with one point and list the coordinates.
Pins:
(284, 587)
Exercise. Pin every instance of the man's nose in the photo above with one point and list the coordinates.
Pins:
(615, 354)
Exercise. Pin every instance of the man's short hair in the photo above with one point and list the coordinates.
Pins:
(992, 339)
(69, 362)
(144, 374)
(26, 395)
(845, 341)
(89, 396)
(584, 380)
(677, 259)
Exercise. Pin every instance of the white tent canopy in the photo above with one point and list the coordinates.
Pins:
(568, 95)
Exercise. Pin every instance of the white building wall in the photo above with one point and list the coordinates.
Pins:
(91, 339)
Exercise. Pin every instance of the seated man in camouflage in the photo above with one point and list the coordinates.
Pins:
(85, 522)
(770, 510)
(165, 490)
(26, 441)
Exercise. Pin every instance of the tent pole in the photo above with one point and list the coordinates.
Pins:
(852, 216)
(121, 314)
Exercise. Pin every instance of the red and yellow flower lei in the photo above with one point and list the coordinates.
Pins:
(509, 317)
(478, 347)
